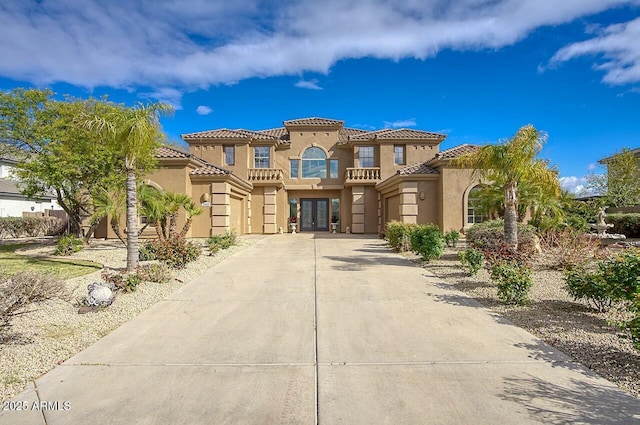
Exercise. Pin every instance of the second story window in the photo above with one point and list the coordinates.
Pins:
(261, 157)
(398, 153)
(314, 164)
(293, 163)
(365, 154)
(230, 155)
(333, 168)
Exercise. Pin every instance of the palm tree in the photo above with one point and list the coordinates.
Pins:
(510, 164)
(192, 210)
(108, 204)
(173, 202)
(135, 134)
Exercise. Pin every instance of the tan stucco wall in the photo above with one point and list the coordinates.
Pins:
(455, 183)
(257, 205)
(392, 208)
(414, 153)
(428, 208)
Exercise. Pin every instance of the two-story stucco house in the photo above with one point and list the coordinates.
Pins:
(319, 174)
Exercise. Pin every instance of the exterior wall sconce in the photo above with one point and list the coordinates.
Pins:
(422, 196)
(205, 200)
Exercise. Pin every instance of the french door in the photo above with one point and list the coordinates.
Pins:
(314, 214)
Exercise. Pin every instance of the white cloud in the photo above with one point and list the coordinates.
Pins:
(573, 184)
(165, 94)
(592, 166)
(618, 48)
(203, 110)
(411, 122)
(193, 44)
(308, 84)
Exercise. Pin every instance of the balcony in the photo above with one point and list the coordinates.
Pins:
(265, 176)
(355, 176)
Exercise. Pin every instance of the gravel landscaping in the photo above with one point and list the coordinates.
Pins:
(552, 315)
(54, 331)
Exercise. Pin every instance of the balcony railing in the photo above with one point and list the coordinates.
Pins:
(265, 175)
(370, 175)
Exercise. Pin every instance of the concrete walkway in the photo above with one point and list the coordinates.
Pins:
(332, 329)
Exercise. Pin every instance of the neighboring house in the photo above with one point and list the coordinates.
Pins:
(12, 202)
(318, 172)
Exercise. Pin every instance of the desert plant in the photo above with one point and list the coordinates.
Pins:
(452, 237)
(123, 280)
(514, 281)
(218, 242)
(68, 245)
(472, 260)
(428, 241)
(156, 272)
(148, 251)
(568, 248)
(176, 252)
(19, 290)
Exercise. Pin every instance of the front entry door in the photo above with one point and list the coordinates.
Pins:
(314, 214)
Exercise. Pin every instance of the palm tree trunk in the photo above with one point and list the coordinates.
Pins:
(186, 227)
(173, 218)
(159, 230)
(132, 221)
(115, 225)
(511, 216)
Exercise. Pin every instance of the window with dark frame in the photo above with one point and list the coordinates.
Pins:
(230, 155)
(398, 153)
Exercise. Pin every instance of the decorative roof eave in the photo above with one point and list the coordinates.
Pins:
(388, 184)
(313, 122)
(228, 178)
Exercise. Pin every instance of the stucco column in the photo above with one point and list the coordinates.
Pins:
(220, 208)
(269, 210)
(409, 202)
(357, 209)
(380, 227)
(249, 213)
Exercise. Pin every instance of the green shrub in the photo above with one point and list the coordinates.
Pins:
(399, 235)
(18, 227)
(176, 252)
(428, 241)
(489, 235)
(633, 325)
(155, 272)
(452, 237)
(472, 260)
(124, 281)
(577, 223)
(68, 245)
(218, 242)
(19, 290)
(627, 224)
(514, 281)
(147, 251)
(589, 286)
(615, 279)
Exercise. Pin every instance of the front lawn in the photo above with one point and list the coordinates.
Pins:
(65, 268)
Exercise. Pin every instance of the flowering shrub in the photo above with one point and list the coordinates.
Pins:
(176, 252)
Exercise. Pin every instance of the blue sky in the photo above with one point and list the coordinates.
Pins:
(476, 70)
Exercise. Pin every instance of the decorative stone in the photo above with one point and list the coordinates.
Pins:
(100, 294)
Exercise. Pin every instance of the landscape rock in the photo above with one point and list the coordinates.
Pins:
(100, 294)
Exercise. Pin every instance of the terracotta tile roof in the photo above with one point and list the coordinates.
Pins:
(204, 169)
(313, 121)
(419, 168)
(225, 133)
(456, 151)
(399, 134)
(346, 133)
(255, 135)
(210, 170)
(280, 133)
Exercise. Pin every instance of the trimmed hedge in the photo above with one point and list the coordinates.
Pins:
(627, 224)
(428, 241)
(399, 235)
(20, 227)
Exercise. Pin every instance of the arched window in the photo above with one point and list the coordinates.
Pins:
(474, 214)
(314, 163)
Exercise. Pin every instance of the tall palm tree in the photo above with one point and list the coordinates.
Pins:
(135, 134)
(510, 164)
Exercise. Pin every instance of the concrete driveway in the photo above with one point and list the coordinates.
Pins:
(329, 329)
